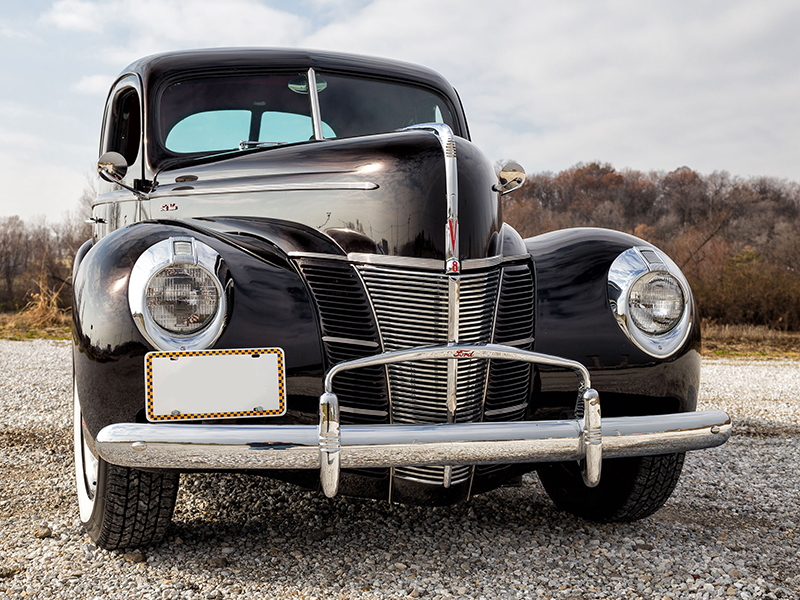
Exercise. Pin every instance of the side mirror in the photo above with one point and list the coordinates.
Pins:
(112, 167)
(512, 176)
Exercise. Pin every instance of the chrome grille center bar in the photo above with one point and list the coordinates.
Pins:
(415, 309)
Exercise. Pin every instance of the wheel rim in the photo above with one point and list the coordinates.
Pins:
(86, 465)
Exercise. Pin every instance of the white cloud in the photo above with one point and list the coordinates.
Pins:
(15, 34)
(30, 189)
(143, 27)
(77, 15)
(19, 139)
(93, 84)
(712, 85)
(653, 85)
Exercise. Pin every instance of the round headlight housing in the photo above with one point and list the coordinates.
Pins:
(182, 298)
(651, 300)
(176, 295)
(656, 302)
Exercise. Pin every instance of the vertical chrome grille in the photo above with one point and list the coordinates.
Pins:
(508, 387)
(412, 310)
(509, 381)
(348, 332)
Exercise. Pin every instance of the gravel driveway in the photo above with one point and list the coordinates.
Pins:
(730, 529)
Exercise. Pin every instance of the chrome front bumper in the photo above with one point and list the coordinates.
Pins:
(331, 447)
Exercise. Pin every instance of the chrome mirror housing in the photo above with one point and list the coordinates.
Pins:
(112, 167)
(511, 177)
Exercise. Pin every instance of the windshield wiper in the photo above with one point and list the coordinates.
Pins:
(245, 144)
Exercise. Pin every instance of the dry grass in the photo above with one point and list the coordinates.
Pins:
(735, 340)
(41, 317)
(13, 328)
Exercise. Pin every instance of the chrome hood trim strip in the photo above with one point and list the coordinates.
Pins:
(299, 186)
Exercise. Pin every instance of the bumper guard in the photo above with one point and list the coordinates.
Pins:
(331, 447)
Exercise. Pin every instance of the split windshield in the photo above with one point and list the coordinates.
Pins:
(218, 113)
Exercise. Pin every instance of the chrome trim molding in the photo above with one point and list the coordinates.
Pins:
(491, 261)
(320, 255)
(522, 342)
(453, 309)
(481, 263)
(152, 260)
(341, 340)
(427, 264)
(451, 232)
(299, 186)
(625, 270)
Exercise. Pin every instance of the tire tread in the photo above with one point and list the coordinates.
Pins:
(630, 488)
(138, 507)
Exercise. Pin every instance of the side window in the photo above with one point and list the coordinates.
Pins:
(125, 125)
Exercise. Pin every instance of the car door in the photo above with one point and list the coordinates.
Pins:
(115, 206)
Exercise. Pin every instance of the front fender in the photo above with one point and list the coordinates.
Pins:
(269, 307)
(574, 320)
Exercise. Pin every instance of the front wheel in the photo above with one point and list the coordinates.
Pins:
(630, 488)
(120, 507)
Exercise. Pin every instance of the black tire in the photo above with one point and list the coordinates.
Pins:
(133, 508)
(630, 488)
(121, 507)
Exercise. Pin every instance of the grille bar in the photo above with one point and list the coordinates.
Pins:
(412, 309)
(402, 309)
(508, 385)
(349, 331)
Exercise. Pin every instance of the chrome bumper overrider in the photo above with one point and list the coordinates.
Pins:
(331, 447)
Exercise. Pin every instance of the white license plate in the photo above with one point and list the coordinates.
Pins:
(215, 384)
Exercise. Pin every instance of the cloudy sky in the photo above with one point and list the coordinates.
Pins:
(713, 85)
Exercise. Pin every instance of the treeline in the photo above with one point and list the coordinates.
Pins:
(737, 240)
(36, 256)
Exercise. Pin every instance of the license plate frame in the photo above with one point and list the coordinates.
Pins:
(215, 384)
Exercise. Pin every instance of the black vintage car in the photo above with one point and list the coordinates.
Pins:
(299, 267)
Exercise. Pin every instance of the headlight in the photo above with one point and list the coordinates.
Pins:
(175, 294)
(651, 300)
(656, 302)
(182, 298)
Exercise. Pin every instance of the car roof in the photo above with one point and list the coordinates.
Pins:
(158, 66)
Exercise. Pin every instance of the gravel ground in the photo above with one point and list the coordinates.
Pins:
(730, 529)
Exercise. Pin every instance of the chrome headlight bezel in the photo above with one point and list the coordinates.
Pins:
(628, 268)
(175, 251)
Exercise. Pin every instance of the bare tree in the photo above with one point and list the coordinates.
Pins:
(14, 252)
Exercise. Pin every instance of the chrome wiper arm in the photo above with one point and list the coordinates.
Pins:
(245, 144)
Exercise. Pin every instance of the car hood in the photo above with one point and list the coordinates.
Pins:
(381, 194)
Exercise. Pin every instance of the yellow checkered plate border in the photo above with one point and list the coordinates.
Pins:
(151, 356)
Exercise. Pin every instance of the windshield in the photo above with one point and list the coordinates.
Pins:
(355, 106)
(219, 113)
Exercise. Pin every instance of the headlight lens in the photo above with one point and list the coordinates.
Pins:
(182, 298)
(656, 302)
